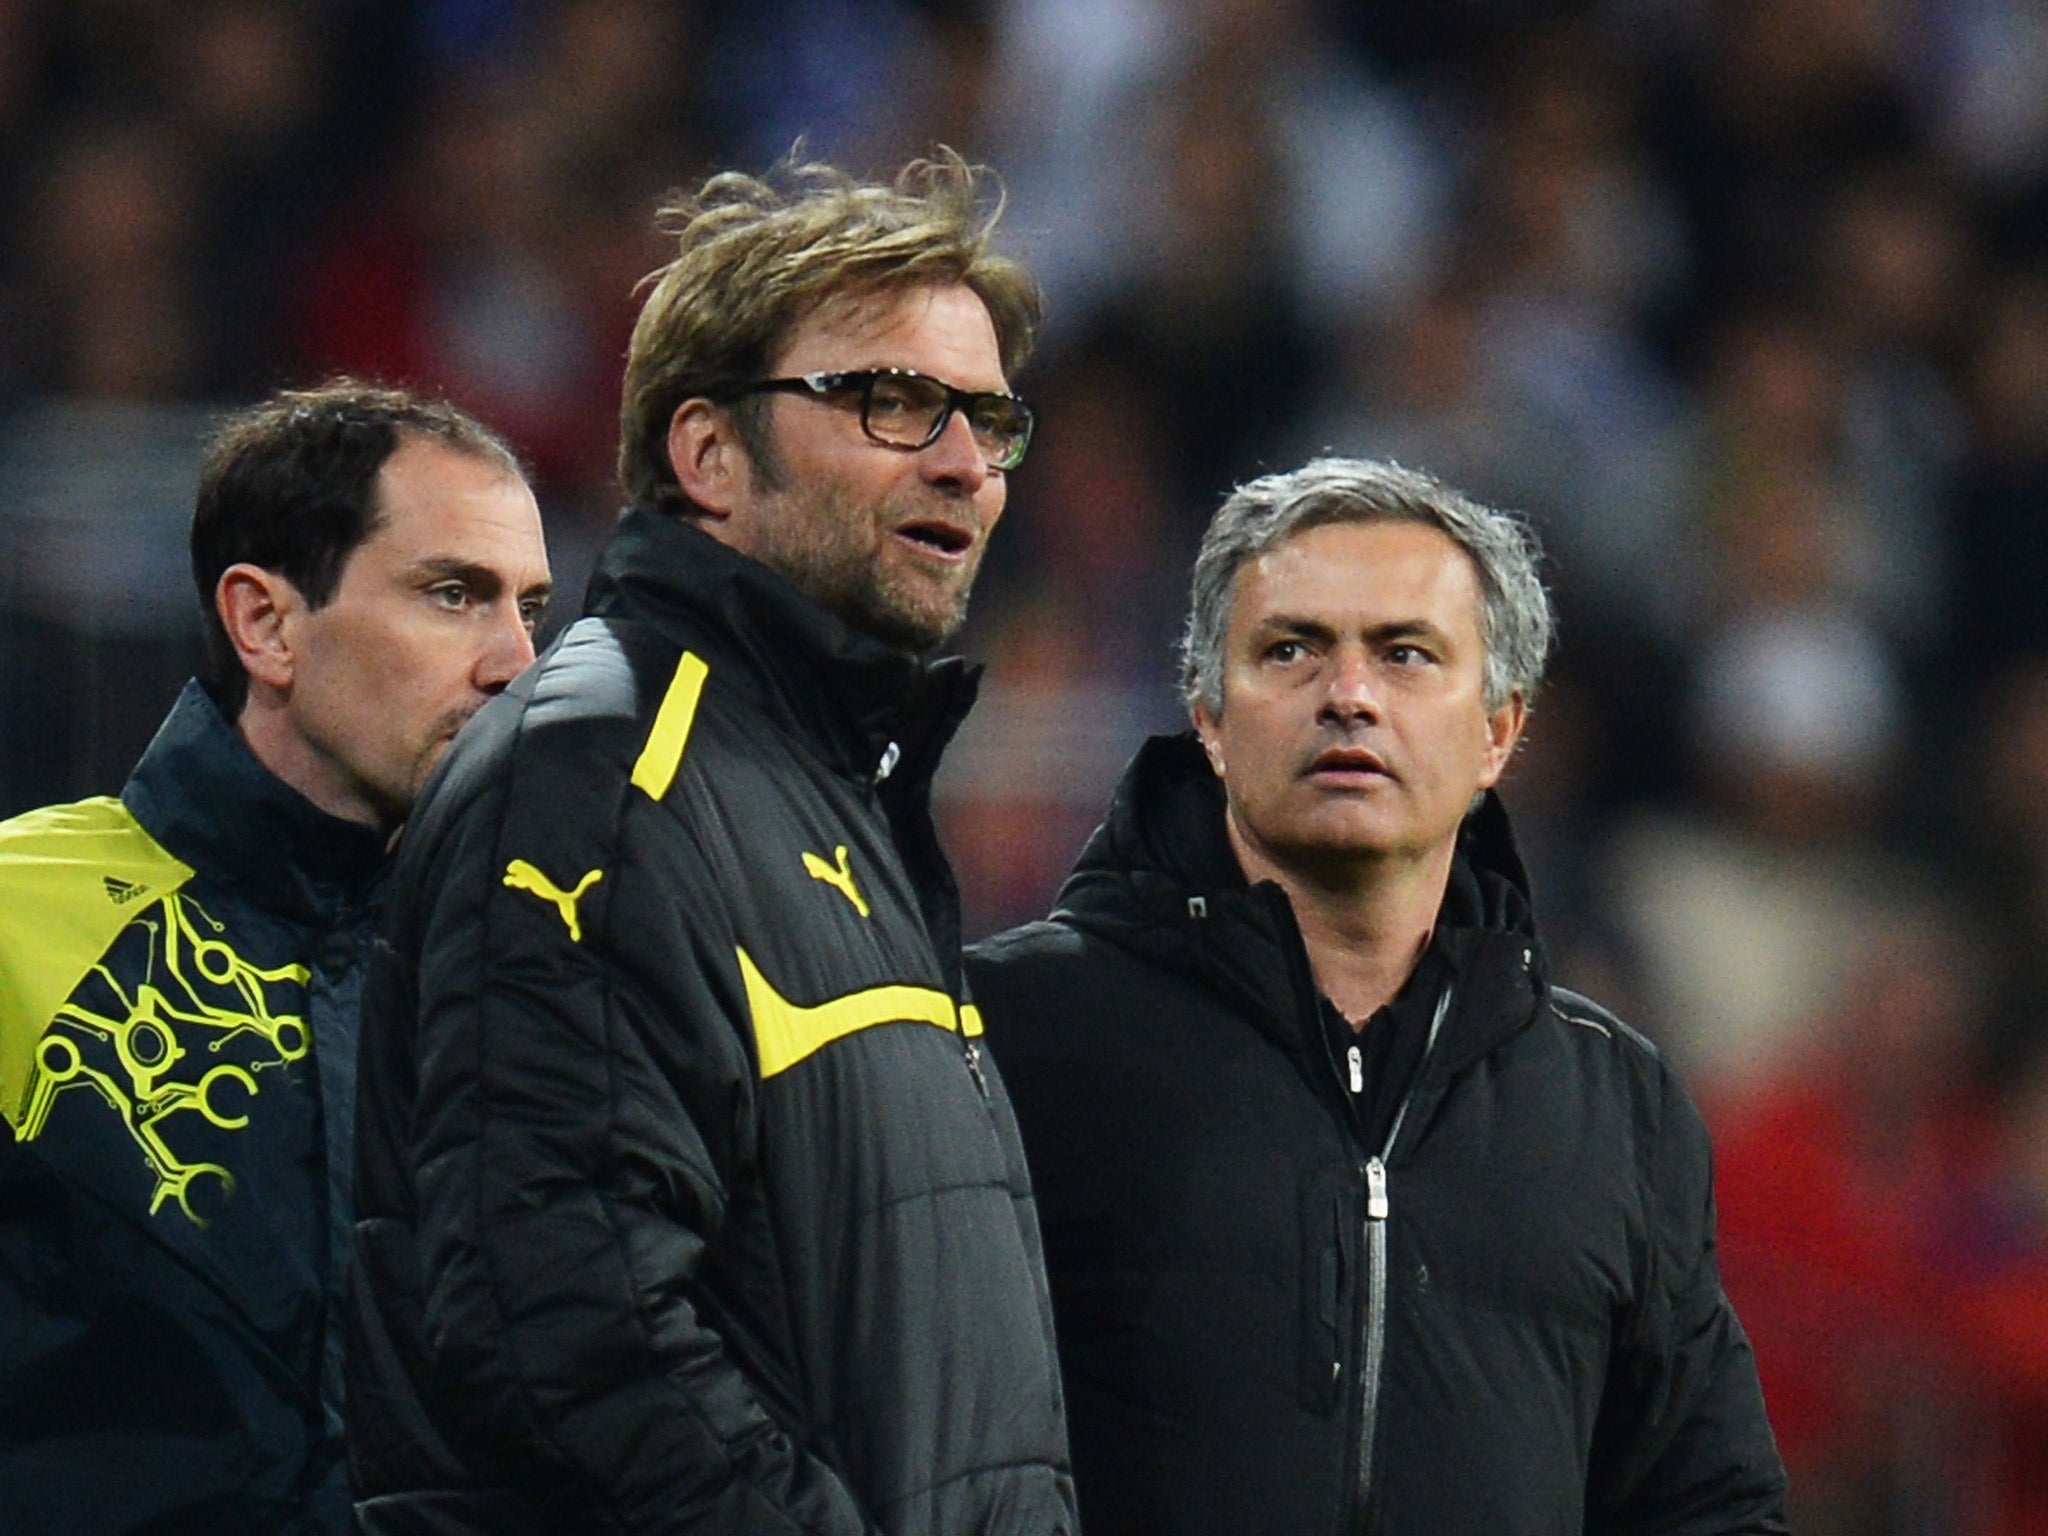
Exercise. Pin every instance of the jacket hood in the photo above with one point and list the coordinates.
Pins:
(856, 696)
(1158, 877)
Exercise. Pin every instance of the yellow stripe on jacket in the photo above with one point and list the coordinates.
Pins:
(785, 1032)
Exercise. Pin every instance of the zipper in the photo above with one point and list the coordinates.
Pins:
(974, 1071)
(1378, 1207)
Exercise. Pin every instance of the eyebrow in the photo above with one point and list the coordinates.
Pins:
(436, 568)
(1003, 389)
(1275, 625)
(1279, 624)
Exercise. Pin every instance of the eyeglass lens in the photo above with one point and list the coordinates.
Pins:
(907, 410)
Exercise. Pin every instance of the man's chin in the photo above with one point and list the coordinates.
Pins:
(912, 626)
(429, 760)
(1340, 839)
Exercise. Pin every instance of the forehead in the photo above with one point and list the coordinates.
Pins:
(940, 329)
(431, 496)
(1348, 575)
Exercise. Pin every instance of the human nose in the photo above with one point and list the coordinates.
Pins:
(507, 651)
(1351, 695)
(953, 459)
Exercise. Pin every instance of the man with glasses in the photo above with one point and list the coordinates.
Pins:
(688, 1200)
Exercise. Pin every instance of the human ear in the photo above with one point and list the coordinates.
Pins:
(259, 610)
(1210, 729)
(709, 461)
(1503, 731)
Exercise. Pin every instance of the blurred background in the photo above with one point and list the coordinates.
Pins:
(1744, 302)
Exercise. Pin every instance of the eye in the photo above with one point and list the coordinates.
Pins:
(1404, 654)
(996, 416)
(1286, 652)
(531, 611)
(451, 595)
(895, 398)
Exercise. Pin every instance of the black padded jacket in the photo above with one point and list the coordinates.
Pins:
(1505, 1317)
(688, 1200)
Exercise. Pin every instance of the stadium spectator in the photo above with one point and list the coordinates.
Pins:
(1836, 1169)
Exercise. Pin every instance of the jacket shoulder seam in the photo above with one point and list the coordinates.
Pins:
(1584, 1013)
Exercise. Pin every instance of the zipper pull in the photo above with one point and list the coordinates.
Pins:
(974, 1069)
(1376, 1190)
(1357, 1069)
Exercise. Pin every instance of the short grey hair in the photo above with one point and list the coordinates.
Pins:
(1515, 620)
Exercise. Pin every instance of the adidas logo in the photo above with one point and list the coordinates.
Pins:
(121, 892)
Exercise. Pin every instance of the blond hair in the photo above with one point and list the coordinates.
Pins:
(756, 256)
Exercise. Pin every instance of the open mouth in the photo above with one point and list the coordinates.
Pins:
(948, 540)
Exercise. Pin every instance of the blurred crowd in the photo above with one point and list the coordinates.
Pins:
(1744, 302)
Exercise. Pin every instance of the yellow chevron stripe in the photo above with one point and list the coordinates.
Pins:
(785, 1032)
(663, 754)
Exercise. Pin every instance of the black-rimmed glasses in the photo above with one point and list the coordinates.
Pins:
(902, 408)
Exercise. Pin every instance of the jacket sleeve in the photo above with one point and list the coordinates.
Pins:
(1682, 1446)
(582, 1121)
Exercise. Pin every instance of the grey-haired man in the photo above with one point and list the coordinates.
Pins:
(1355, 1222)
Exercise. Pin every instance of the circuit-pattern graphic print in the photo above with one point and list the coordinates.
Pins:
(157, 1046)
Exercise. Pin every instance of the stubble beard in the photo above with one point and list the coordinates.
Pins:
(837, 555)
(396, 800)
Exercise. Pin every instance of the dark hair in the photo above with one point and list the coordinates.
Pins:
(291, 485)
(755, 256)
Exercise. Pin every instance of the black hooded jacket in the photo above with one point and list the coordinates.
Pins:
(687, 1200)
(1502, 1315)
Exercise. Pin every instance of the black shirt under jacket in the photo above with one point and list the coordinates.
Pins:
(1505, 1319)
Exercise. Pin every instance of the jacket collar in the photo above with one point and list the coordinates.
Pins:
(1158, 876)
(202, 794)
(866, 704)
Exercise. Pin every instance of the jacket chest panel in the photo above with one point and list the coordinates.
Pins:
(1515, 1246)
(1522, 1197)
(1221, 1150)
(1230, 1168)
(870, 1132)
(867, 1093)
(810, 878)
(179, 1082)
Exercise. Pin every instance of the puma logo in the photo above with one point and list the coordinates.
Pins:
(522, 876)
(840, 879)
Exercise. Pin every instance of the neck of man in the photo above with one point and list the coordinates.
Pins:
(273, 741)
(1364, 920)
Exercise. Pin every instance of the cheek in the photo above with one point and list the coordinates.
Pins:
(1259, 763)
(411, 669)
(434, 678)
(994, 496)
(388, 666)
